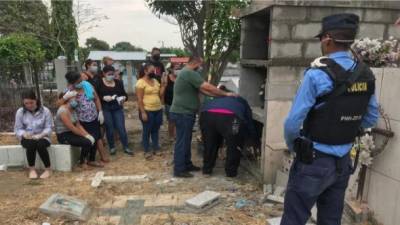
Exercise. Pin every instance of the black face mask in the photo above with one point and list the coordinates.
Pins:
(156, 57)
(152, 75)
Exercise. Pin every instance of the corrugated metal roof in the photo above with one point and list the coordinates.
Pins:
(136, 56)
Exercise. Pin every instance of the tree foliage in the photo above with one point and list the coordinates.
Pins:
(96, 44)
(207, 28)
(63, 29)
(177, 51)
(29, 17)
(126, 46)
(17, 50)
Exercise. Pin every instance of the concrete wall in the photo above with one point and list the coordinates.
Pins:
(383, 185)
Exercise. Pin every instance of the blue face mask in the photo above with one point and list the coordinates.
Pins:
(73, 104)
(79, 85)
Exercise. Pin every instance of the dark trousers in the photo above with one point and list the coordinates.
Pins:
(115, 120)
(40, 146)
(183, 146)
(93, 128)
(323, 182)
(70, 138)
(151, 129)
(216, 128)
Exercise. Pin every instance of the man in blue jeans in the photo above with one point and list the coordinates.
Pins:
(185, 105)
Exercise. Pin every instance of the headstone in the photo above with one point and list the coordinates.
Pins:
(204, 200)
(65, 206)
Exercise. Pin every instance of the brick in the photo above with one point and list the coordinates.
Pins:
(394, 31)
(203, 199)
(371, 30)
(289, 13)
(357, 11)
(282, 74)
(317, 13)
(281, 91)
(280, 31)
(285, 50)
(305, 31)
(378, 15)
(313, 50)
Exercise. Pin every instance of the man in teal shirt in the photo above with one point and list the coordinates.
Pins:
(185, 105)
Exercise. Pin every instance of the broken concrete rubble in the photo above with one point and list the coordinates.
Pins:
(99, 177)
(65, 206)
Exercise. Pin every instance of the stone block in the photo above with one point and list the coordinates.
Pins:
(162, 200)
(382, 199)
(305, 31)
(281, 178)
(65, 206)
(64, 158)
(357, 11)
(203, 200)
(378, 72)
(371, 30)
(289, 13)
(3, 155)
(390, 92)
(280, 74)
(394, 31)
(285, 50)
(276, 199)
(276, 115)
(16, 155)
(318, 13)
(280, 31)
(378, 16)
(313, 50)
(281, 91)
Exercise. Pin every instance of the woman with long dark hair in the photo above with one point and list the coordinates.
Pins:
(33, 126)
(149, 94)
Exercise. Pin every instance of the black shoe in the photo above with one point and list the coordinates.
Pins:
(183, 175)
(231, 174)
(193, 168)
(128, 151)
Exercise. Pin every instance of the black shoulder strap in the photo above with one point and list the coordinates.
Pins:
(337, 72)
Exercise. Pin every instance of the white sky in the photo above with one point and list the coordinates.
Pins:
(132, 21)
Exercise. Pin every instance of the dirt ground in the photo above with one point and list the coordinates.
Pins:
(20, 198)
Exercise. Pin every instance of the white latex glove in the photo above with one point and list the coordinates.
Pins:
(317, 62)
(27, 135)
(90, 138)
(101, 117)
(37, 136)
(69, 94)
(108, 98)
(121, 100)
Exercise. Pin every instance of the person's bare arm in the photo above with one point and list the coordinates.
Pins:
(78, 129)
(213, 91)
(140, 96)
(162, 92)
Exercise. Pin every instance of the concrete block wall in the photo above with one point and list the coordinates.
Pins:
(383, 183)
(62, 157)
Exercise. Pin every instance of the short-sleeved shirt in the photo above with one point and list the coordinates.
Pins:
(58, 123)
(151, 97)
(86, 110)
(186, 92)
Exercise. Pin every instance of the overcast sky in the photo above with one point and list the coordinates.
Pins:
(132, 21)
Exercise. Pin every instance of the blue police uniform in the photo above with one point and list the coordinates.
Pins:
(320, 182)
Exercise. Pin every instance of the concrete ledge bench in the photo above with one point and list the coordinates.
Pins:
(62, 157)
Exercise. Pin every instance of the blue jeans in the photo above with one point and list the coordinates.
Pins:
(115, 120)
(184, 128)
(151, 129)
(321, 183)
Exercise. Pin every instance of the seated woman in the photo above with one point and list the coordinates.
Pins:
(70, 131)
(112, 94)
(33, 123)
(149, 94)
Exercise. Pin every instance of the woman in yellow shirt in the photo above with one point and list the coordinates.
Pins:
(149, 94)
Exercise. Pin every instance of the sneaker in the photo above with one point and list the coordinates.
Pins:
(128, 151)
(193, 168)
(113, 151)
(148, 155)
(184, 174)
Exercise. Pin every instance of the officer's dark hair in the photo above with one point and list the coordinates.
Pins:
(155, 49)
(31, 95)
(72, 77)
(88, 62)
(342, 34)
(108, 68)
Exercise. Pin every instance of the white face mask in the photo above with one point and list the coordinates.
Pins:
(93, 69)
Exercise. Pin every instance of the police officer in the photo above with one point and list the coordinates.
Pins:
(335, 100)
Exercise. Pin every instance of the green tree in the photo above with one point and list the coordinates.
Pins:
(63, 29)
(29, 17)
(126, 46)
(207, 28)
(96, 44)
